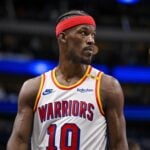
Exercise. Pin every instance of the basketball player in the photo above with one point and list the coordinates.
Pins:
(74, 106)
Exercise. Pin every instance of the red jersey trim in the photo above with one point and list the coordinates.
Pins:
(98, 97)
(39, 92)
(64, 87)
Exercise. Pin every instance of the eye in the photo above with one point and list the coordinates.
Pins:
(84, 33)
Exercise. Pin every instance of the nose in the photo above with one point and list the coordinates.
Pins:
(90, 40)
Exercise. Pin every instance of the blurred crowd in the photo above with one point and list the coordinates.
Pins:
(107, 13)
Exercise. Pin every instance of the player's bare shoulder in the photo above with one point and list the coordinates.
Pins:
(29, 91)
(111, 90)
(110, 83)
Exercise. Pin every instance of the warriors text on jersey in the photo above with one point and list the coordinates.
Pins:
(69, 117)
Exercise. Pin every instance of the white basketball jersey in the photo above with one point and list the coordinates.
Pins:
(69, 117)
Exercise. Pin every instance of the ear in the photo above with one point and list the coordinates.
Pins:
(62, 37)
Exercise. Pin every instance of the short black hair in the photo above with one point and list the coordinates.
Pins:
(70, 14)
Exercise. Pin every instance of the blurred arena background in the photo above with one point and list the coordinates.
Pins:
(28, 47)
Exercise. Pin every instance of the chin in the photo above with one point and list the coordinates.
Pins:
(86, 62)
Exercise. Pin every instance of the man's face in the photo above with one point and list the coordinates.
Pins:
(80, 42)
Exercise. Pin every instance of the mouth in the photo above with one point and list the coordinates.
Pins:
(88, 51)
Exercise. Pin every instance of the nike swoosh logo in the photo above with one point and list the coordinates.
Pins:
(48, 91)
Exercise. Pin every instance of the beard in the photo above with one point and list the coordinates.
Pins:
(79, 59)
(82, 57)
(86, 61)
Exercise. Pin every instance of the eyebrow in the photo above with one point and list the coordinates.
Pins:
(86, 28)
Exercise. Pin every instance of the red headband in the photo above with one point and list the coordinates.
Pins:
(74, 21)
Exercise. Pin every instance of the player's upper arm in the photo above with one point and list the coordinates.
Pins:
(113, 102)
(23, 123)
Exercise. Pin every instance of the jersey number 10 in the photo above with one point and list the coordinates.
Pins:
(69, 140)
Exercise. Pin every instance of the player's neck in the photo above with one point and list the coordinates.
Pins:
(71, 70)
